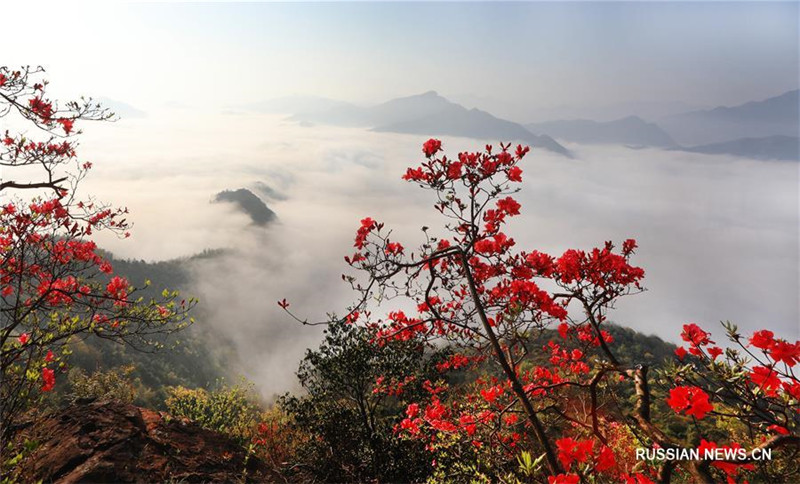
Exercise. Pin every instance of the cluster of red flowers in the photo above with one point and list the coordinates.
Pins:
(471, 167)
(41, 108)
(692, 401)
(777, 349)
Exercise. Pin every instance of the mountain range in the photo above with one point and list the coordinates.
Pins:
(430, 114)
(766, 129)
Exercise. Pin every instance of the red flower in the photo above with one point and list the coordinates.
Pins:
(117, 287)
(49, 379)
(105, 267)
(714, 351)
(570, 450)
(454, 170)
(367, 225)
(606, 460)
(693, 334)
(491, 394)
(786, 352)
(628, 246)
(23, 338)
(41, 108)
(515, 174)
(778, 429)
(509, 206)
(283, 303)
(49, 356)
(394, 248)
(563, 479)
(692, 401)
(431, 147)
(766, 379)
(681, 352)
(763, 339)
(66, 123)
(792, 389)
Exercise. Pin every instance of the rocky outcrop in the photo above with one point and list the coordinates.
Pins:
(116, 442)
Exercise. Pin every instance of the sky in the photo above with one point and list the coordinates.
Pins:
(718, 234)
(519, 59)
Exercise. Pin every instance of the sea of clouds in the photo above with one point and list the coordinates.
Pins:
(718, 235)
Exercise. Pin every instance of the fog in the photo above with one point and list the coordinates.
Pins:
(718, 235)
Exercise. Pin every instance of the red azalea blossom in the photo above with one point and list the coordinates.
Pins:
(367, 225)
(763, 339)
(571, 450)
(509, 206)
(714, 351)
(766, 379)
(394, 248)
(515, 174)
(431, 147)
(694, 335)
(563, 479)
(778, 429)
(491, 394)
(23, 338)
(783, 351)
(606, 460)
(66, 123)
(117, 287)
(48, 379)
(693, 401)
(680, 352)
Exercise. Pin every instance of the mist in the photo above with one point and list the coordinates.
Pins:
(718, 235)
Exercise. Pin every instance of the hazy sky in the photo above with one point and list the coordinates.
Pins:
(507, 57)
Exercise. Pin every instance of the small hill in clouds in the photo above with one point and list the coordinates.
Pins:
(779, 115)
(631, 130)
(778, 147)
(430, 114)
(248, 203)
